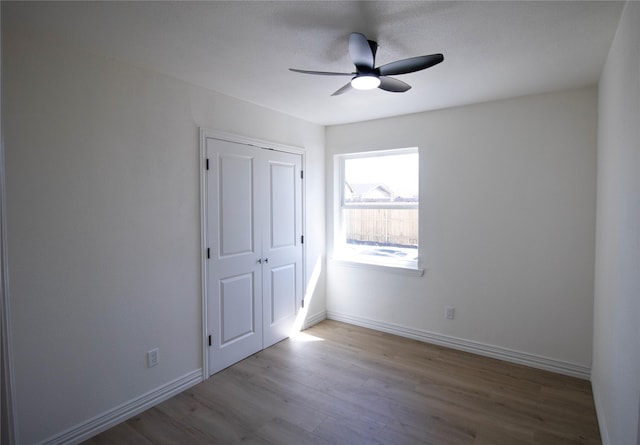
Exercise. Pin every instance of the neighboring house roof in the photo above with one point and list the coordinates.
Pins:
(368, 191)
(373, 192)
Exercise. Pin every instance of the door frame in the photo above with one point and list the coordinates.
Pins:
(207, 133)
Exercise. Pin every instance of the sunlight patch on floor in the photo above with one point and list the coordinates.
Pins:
(304, 337)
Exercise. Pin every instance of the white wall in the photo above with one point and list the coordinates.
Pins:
(103, 224)
(616, 340)
(507, 227)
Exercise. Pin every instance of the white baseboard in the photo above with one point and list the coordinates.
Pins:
(125, 411)
(314, 319)
(521, 358)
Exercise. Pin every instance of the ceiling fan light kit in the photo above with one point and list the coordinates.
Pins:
(367, 76)
(365, 82)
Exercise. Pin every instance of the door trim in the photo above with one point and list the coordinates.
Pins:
(8, 409)
(207, 133)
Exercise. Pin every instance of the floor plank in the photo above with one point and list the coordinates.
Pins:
(358, 386)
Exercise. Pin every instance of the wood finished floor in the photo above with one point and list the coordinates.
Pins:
(358, 386)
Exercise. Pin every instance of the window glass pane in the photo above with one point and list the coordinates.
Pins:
(380, 207)
(382, 233)
(381, 178)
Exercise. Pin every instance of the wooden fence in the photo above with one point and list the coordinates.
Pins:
(397, 227)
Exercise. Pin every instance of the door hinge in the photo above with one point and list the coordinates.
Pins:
(301, 174)
(207, 162)
(209, 340)
(303, 303)
(208, 253)
(302, 239)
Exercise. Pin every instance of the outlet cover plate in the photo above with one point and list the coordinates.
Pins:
(450, 312)
(153, 358)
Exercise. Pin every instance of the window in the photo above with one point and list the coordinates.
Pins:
(377, 214)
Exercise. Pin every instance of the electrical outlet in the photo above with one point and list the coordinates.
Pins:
(450, 312)
(153, 357)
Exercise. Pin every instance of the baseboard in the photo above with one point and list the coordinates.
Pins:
(125, 411)
(314, 319)
(521, 358)
(602, 421)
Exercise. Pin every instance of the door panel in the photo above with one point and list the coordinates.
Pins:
(234, 275)
(282, 275)
(236, 204)
(283, 218)
(283, 291)
(237, 307)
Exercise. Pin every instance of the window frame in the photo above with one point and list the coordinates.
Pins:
(341, 254)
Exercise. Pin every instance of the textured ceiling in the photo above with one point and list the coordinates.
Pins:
(492, 50)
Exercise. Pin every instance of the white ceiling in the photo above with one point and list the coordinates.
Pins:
(492, 50)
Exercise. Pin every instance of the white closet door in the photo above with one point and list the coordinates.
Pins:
(254, 219)
(235, 245)
(282, 246)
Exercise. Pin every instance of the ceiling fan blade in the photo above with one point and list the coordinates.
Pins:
(362, 51)
(393, 85)
(343, 90)
(410, 65)
(321, 73)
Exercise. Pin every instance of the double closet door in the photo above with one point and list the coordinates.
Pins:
(254, 231)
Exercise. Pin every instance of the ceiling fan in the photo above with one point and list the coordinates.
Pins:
(367, 76)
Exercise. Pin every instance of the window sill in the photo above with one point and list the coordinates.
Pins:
(396, 269)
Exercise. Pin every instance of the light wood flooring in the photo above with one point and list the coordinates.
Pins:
(357, 386)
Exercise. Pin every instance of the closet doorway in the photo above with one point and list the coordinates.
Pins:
(252, 220)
